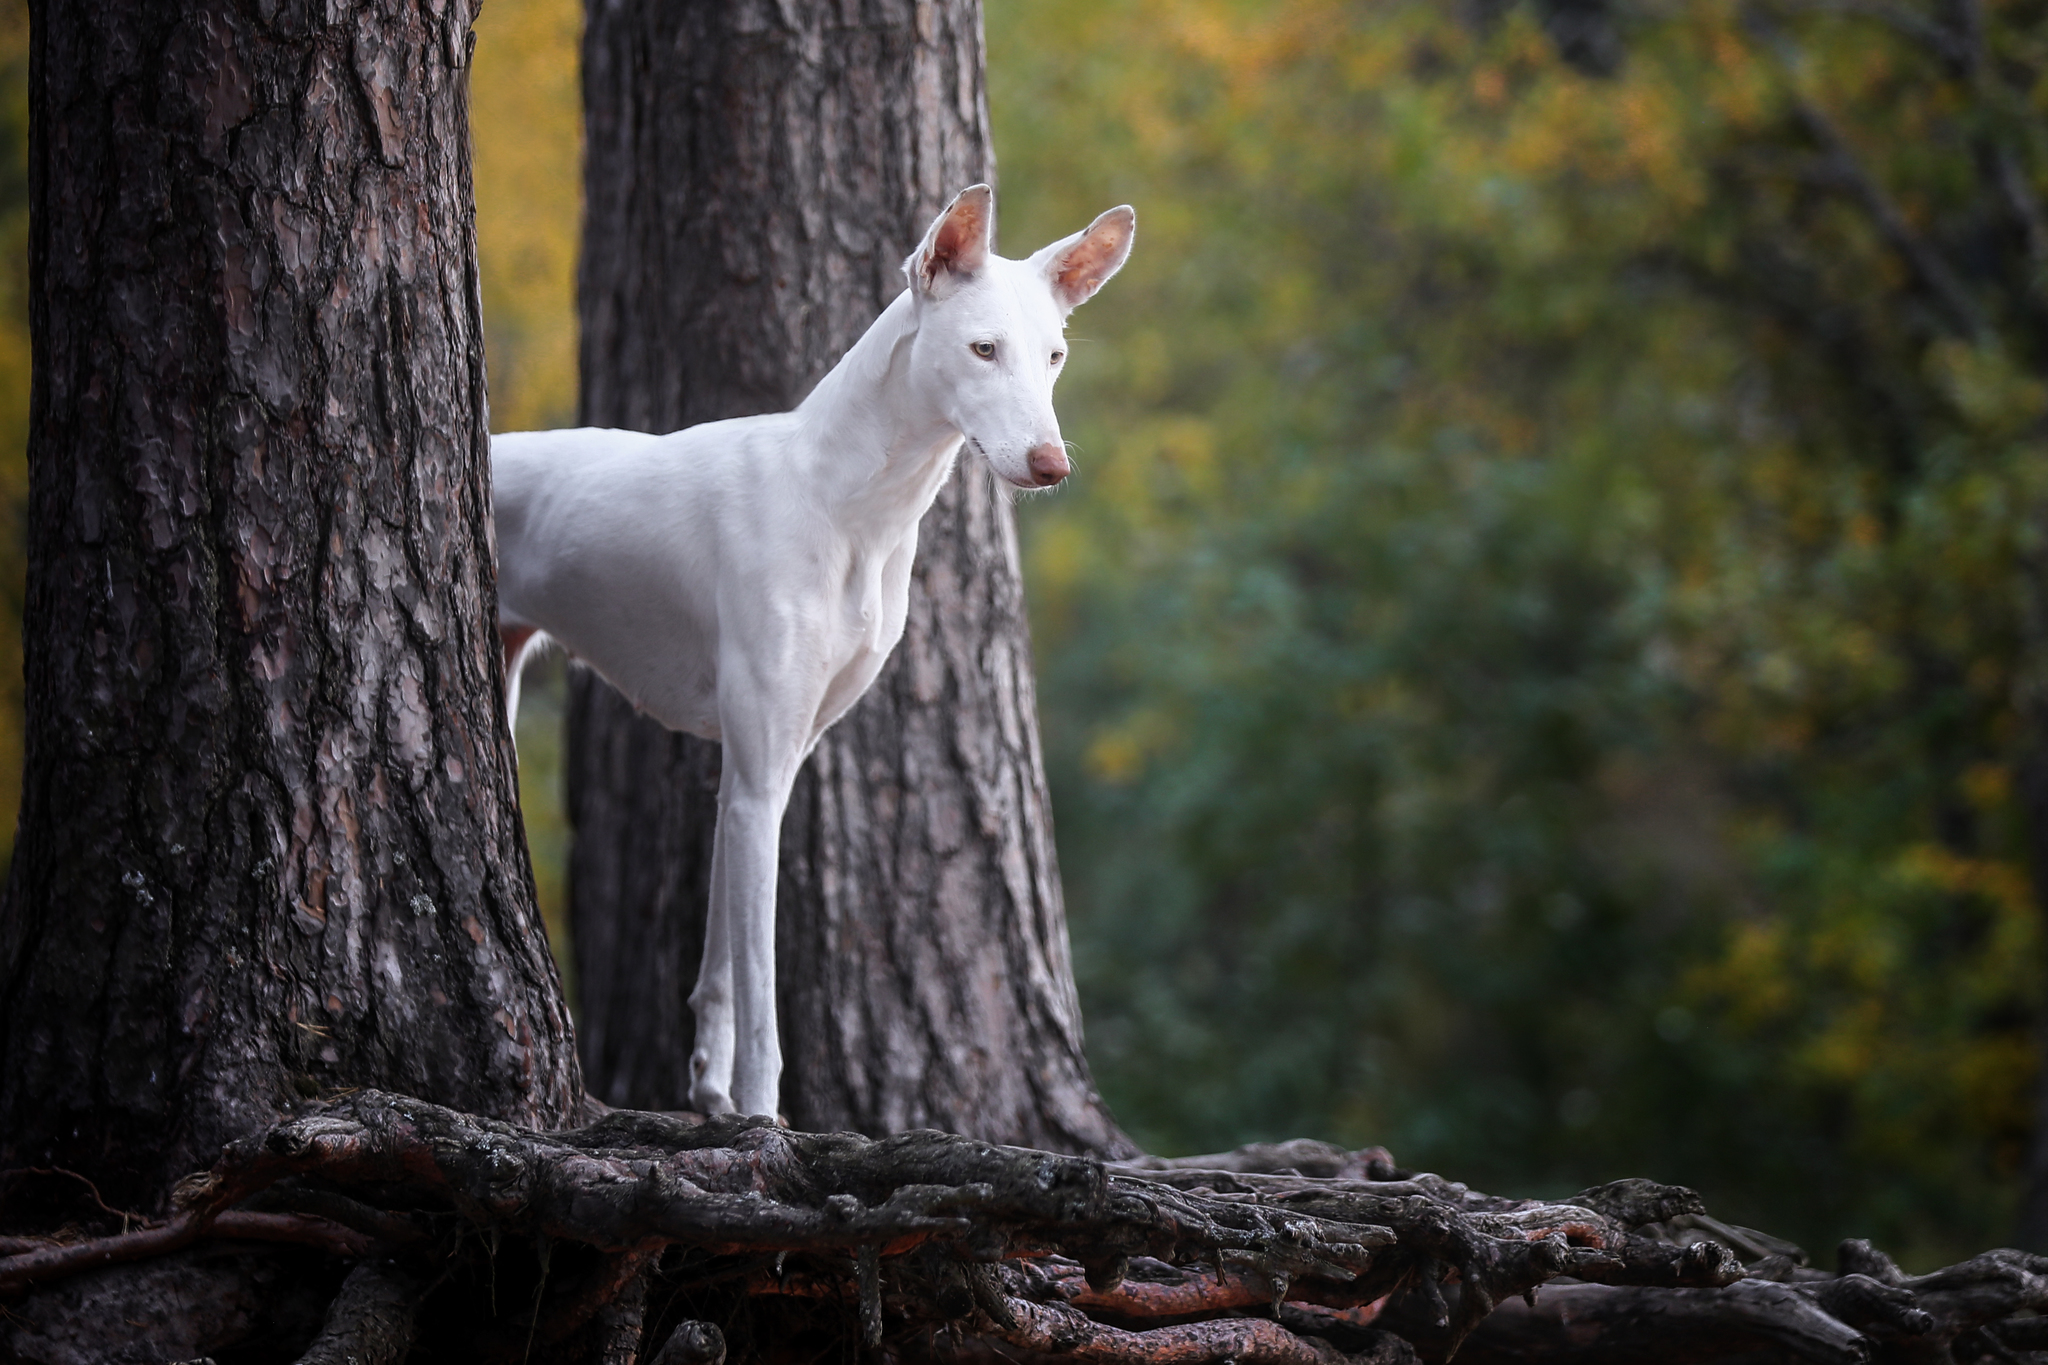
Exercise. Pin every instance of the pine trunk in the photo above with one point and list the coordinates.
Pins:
(269, 841)
(756, 174)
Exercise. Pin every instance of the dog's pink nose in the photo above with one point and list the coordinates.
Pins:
(1049, 463)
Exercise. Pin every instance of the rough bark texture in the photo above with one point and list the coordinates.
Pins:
(268, 1300)
(756, 174)
(269, 840)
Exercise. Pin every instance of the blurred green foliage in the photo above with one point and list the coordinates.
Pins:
(1530, 655)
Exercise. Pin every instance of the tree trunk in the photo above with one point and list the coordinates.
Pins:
(755, 176)
(269, 842)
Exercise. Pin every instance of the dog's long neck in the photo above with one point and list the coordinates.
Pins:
(881, 447)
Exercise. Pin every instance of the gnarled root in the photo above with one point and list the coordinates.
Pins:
(371, 1319)
(641, 1229)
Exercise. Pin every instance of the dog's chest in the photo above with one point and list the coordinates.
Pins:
(869, 614)
(865, 610)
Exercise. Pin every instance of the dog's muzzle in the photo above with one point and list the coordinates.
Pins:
(1049, 464)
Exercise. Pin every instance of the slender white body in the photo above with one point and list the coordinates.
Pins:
(745, 580)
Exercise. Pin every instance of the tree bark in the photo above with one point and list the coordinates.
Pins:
(755, 175)
(269, 840)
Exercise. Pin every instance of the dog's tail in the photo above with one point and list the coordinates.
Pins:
(522, 644)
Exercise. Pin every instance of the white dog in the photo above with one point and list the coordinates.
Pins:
(745, 580)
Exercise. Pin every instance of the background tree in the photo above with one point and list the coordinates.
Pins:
(755, 176)
(269, 842)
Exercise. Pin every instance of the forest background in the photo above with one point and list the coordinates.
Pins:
(1532, 656)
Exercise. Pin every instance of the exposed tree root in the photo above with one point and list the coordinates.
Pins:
(371, 1319)
(1055, 1330)
(583, 1245)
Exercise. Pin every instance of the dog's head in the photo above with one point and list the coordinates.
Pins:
(990, 334)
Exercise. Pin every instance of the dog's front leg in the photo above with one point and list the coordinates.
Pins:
(749, 828)
(737, 1063)
(711, 1000)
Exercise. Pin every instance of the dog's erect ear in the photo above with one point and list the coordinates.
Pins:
(957, 243)
(1077, 266)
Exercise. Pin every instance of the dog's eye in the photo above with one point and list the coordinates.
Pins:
(1058, 356)
(985, 349)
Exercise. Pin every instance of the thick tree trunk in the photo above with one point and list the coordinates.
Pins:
(756, 174)
(269, 841)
